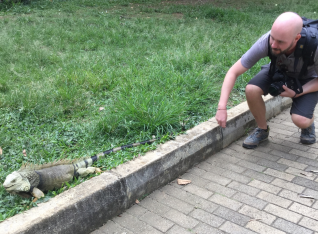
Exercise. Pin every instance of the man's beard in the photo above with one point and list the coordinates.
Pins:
(277, 52)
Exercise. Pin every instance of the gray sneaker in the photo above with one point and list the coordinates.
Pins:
(308, 135)
(257, 136)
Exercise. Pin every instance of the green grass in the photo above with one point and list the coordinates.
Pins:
(156, 67)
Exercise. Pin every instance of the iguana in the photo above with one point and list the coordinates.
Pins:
(33, 180)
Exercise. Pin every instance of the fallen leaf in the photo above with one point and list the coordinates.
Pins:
(254, 220)
(24, 153)
(137, 202)
(101, 108)
(306, 174)
(306, 196)
(182, 182)
(0, 151)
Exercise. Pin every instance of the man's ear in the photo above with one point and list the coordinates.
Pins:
(298, 37)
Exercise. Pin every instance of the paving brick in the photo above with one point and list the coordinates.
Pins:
(210, 168)
(181, 219)
(312, 151)
(263, 148)
(196, 171)
(300, 173)
(256, 214)
(282, 213)
(176, 229)
(252, 166)
(154, 206)
(303, 154)
(216, 178)
(288, 185)
(265, 186)
(291, 228)
(224, 201)
(231, 215)
(239, 149)
(304, 210)
(232, 228)
(266, 156)
(309, 223)
(271, 145)
(135, 225)
(271, 198)
(203, 228)
(291, 163)
(207, 218)
(112, 228)
(172, 202)
(283, 126)
(243, 188)
(259, 176)
(245, 156)
(226, 165)
(281, 131)
(270, 164)
(228, 192)
(284, 155)
(194, 200)
(236, 176)
(295, 197)
(136, 210)
(201, 192)
(263, 228)
(157, 221)
(249, 200)
(305, 182)
(224, 157)
(295, 146)
(308, 161)
(279, 174)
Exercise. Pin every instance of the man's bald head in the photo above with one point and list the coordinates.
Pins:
(288, 22)
(285, 33)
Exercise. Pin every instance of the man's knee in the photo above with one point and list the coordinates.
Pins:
(301, 121)
(253, 91)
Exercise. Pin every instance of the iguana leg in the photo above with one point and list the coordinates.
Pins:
(37, 193)
(85, 171)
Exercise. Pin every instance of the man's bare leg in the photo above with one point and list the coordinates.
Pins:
(256, 104)
(258, 109)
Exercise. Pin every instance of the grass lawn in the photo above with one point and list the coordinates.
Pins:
(80, 77)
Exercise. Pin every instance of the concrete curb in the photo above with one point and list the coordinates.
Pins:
(87, 206)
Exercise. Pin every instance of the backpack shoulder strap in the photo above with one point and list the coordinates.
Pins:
(272, 58)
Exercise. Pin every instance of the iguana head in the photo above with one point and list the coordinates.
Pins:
(16, 183)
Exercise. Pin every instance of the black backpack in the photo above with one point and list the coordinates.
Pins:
(306, 48)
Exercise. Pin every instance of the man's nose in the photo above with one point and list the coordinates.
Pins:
(274, 45)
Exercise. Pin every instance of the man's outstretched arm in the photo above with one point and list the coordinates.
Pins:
(236, 70)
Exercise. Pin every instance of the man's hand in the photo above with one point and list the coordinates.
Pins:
(288, 92)
(221, 117)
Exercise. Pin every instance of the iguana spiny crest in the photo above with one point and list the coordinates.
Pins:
(33, 179)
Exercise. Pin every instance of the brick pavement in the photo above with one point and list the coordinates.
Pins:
(236, 191)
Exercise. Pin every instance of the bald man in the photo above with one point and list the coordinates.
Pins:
(280, 42)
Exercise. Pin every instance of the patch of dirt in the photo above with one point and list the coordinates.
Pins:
(178, 15)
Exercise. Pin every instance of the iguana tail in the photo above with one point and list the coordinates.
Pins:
(89, 161)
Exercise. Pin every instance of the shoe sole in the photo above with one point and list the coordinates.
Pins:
(307, 142)
(253, 146)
